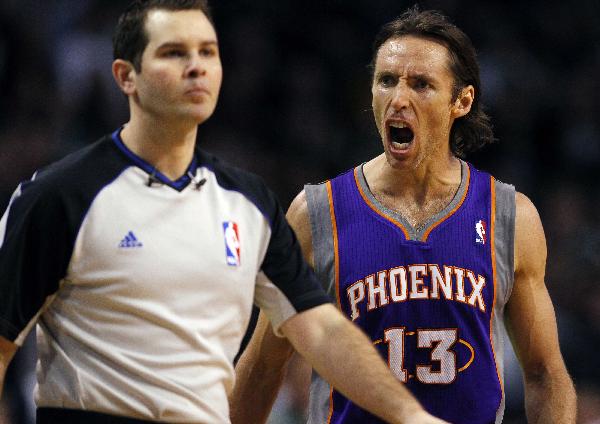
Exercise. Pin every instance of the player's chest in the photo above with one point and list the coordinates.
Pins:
(379, 269)
(415, 215)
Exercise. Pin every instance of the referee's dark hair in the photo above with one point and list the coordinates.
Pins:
(130, 38)
(474, 130)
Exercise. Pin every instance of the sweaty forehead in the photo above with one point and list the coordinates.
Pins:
(182, 25)
(410, 53)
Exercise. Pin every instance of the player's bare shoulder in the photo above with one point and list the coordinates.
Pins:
(299, 219)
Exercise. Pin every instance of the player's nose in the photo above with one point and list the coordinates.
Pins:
(400, 96)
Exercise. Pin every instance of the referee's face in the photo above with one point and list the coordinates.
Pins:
(181, 72)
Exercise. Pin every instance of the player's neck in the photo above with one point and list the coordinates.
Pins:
(418, 185)
(168, 147)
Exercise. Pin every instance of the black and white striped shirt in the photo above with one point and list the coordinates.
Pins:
(142, 287)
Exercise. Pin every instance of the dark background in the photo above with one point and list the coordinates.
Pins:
(295, 108)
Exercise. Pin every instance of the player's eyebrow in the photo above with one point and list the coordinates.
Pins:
(422, 75)
(383, 72)
(410, 74)
(425, 76)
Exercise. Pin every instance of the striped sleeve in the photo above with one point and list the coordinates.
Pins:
(34, 255)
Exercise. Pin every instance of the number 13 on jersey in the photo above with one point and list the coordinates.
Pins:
(442, 367)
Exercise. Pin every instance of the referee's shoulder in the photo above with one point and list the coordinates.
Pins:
(71, 172)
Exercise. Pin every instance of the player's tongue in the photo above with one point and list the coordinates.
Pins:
(401, 136)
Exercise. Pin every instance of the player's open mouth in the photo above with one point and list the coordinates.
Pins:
(401, 136)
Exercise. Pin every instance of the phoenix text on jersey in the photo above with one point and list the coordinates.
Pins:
(419, 281)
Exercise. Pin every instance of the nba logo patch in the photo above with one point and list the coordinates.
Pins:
(480, 231)
(232, 243)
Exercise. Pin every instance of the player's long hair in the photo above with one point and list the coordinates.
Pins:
(130, 38)
(474, 130)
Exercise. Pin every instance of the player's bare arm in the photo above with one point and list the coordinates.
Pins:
(261, 368)
(7, 351)
(259, 374)
(531, 323)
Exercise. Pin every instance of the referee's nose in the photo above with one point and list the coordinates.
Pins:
(195, 66)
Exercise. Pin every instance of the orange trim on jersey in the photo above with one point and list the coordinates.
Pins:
(470, 361)
(336, 258)
(377, 211)
(336, 264)
(330, 404)
(494, 276)
(459, 204)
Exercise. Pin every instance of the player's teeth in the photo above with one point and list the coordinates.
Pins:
(398, 125)
(400, 145)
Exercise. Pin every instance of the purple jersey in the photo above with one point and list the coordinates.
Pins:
(430, 298)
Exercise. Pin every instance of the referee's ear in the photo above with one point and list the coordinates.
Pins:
(124, 74)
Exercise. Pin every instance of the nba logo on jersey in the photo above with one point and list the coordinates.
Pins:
(480, 231)
(232, 243)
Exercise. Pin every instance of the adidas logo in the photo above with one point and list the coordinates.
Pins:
(130, 240)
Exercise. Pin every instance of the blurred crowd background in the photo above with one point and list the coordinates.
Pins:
(295, 108)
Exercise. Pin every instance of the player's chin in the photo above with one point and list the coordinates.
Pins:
(399, 155)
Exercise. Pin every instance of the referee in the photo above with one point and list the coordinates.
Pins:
(140, 256)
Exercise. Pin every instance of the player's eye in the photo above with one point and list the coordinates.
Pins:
(421, 84)
(386, 80)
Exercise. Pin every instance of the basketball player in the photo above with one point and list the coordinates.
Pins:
(140, 256)
(425, 253)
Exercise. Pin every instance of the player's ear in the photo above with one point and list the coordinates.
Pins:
(124, 74)
(464, 101)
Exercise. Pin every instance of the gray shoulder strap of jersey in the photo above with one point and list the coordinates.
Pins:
(504, 241)
(504, 236)
(317, 200)
(321, 228)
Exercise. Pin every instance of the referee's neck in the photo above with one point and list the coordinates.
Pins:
(169, 148)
